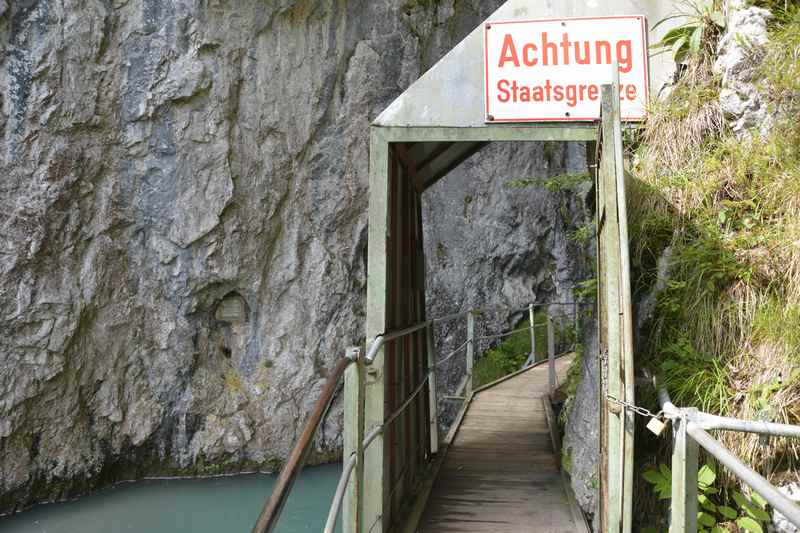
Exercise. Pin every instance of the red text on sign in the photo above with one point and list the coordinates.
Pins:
(572, 94)
(566, 52)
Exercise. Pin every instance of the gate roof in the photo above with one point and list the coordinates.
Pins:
(451, 94)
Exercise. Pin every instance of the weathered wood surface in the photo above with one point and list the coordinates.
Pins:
(501, 472)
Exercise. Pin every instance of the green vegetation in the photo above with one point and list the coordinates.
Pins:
(728, 209)
(570, 385)
(749, 515)
(699, 29)
(723, 211)
(509, 356)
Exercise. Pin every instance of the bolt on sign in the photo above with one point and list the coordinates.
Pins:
(552, 70)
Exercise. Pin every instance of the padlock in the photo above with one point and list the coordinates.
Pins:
(656, 426)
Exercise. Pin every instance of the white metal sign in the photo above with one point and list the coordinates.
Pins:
(552, 70)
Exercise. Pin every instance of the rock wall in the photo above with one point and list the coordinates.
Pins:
(184, 230)
(738, 57)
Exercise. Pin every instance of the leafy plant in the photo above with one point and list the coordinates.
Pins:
(750, 516)
(508, 356)
(661, 480)
(586, 290)
(686, 41)
(582, 235)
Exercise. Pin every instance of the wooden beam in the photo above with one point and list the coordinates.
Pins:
(447, 161)
(628, 376)
(375, 386)
(611, 492)
(493, 133)
(354, 438)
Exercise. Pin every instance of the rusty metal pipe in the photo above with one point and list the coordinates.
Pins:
(272, 510)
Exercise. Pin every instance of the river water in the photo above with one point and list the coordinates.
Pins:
(218, 505)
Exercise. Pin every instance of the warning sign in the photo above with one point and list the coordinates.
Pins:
(552, 70)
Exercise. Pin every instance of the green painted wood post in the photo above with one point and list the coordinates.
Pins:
(432, 391)
(551, 354)
(532, 320)
(375, 492)
(470, 351)
(612, 445)
(350, 437)
(683, 514)
(354, 384)
(626, 311)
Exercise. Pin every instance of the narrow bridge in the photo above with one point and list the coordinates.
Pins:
(502, 468)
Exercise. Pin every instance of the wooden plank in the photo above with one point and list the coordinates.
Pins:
(501, 473)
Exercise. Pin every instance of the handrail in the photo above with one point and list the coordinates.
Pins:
(690, 429)
(268, 519)
(344, 479)
(382, 338)
(347, 470)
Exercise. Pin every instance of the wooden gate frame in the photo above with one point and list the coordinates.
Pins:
(417, 156)
(615, 321)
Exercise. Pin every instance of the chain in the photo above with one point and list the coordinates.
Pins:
(641, 411)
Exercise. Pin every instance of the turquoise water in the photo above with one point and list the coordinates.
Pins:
(219, 505)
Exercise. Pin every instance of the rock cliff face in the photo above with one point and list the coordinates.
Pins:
(739, 54)
(184, 229)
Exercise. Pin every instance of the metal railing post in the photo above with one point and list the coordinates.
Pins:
(576, 325)
(551, 354)
(361, 420)
(683, 518)
(434, 405)
(532, 319)
(470, 350)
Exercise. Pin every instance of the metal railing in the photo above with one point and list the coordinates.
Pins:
(689, 435)
(466, 385)
(271, 513)
(269, 516)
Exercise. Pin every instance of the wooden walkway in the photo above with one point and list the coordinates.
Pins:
(501, 472)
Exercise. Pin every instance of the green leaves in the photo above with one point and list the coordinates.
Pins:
(751, 515)
(705, 477)
(753, 510)
(661, 480)
(706, 520)
(685, 41)
(706, 503)
(748, 524)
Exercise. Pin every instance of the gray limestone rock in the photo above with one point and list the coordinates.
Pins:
(184, 231)
(739, 54)
(184, 239)
(780, 524)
